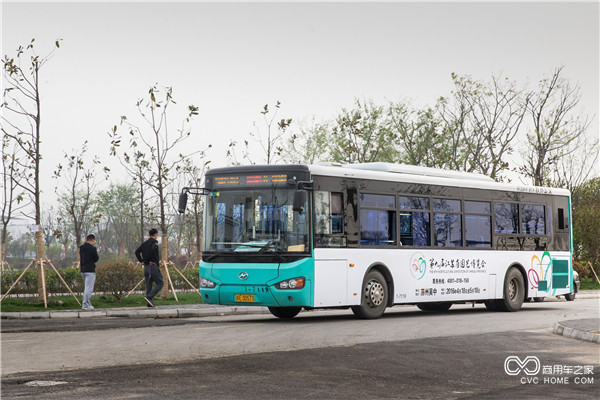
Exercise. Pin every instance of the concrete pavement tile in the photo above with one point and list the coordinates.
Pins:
(92, 314)
(167, 313)
(119, 313)
(149, 313)
(188, 313)
(11, 315)
(64, 314)
(35, 315)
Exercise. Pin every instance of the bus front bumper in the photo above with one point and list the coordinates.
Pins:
(256, 295)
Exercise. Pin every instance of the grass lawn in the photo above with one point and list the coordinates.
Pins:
(108, 301)
(589, 284)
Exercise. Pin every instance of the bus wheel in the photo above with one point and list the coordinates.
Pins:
(374, 297)
(491, 305)
(570, 296)
(538, 299)
(285, 312)
(438, 306)
(514, 291)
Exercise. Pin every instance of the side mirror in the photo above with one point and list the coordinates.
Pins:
(299, 200)
(182, 202)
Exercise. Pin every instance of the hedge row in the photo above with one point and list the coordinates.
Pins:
(116, 278)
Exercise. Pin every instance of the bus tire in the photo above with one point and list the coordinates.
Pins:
(437, 306)
(374, 296)
(570, 296)
(491, 305)
(514, 291)
(285, 312)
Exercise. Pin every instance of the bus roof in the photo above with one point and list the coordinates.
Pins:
(433, 176)
(396, 173)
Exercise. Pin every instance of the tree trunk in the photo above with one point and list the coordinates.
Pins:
(3, 255)
(164, 293)
(39, 247)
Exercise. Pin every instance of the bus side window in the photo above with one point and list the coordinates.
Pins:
(561, 218)
(329, 219)
(337, 213)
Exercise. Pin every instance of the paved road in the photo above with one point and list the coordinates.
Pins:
(406, 354)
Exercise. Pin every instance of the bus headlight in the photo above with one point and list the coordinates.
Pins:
(294, 283)
(206, 284)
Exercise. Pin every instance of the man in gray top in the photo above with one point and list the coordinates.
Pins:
(88, 255)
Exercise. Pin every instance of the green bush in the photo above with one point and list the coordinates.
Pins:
(28, 283)
(117, 278)
(179, 283)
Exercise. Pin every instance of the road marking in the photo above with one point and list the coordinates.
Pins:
(13, 340)
(227, 326)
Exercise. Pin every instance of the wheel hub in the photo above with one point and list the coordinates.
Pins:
(512, 289)
(375, 293)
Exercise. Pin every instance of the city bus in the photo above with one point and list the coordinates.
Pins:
(370, 236)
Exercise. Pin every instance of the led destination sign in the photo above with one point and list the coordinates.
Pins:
(250, 180)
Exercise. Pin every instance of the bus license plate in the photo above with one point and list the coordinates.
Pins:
(244, 298)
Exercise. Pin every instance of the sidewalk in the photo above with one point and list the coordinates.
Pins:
(582, 329)
(172, 311)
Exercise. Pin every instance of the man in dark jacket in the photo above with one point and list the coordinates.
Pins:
(148, 254)
(88, 255)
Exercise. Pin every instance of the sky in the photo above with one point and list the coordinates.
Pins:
(230, 59)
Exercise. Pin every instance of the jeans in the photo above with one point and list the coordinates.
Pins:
(89, 278)
(152, 274)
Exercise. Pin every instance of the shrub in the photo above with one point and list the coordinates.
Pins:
(179, 283)
(117, 278)
(27, 284)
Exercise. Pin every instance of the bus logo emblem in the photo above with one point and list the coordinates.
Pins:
(418, 266)
(243, 275)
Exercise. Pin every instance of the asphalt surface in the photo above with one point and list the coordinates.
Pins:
(457, 367)
(588, 330)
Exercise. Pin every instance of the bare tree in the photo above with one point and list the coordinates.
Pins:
(486, 119)
(575, 163)
(152, 147)
(270, 140)
(192, 175)
(13, 200)
(555, 126)
(21, 122)
(79, 173)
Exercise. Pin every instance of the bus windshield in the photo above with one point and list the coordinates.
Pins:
(254, 221)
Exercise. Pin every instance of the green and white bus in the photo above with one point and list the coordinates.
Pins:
(369, 236)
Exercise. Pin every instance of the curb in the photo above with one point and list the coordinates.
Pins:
(140, 313)
(574, 333)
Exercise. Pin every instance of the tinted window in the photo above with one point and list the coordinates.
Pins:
(448, 230)
(414, 203)
(377, 200)
(414, 228)
(446, 205)
(477, 207)
(377, 227)
(533, 219)
(506, 216)
(478, 230)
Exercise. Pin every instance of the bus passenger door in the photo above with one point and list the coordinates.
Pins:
(331, 282)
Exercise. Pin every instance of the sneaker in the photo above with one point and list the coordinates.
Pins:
(90, 307)
(150, 303)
